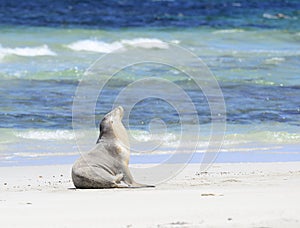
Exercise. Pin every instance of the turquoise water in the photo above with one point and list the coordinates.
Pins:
(258, 71)
(251, 47)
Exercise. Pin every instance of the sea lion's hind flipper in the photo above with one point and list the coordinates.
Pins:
(138, 185)
(128, 179)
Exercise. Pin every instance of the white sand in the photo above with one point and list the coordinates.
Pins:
(228, 195)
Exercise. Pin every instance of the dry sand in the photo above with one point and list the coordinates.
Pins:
(227, 195)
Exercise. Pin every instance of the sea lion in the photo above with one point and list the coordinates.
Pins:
(106, 165)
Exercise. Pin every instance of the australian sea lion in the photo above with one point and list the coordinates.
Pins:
(106, 165)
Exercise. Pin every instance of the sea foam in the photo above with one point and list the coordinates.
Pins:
(27, 51)
(274, 61)
(94, 46)
(46, 135)
(145, 43)
(103, 47)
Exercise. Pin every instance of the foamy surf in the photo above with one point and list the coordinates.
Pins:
(94, 46)
(46, 135)
(103, 47)
(274, 61)
(53, 154)
(145, 136)
(43, 50)
(267, 137)
(280, 53)
(146, 43)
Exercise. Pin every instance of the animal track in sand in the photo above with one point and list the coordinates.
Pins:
(208, 194)
(231, 180)
(176, 225)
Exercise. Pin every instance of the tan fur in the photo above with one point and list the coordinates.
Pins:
(106, 165)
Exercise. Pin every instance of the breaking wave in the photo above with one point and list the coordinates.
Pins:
(103, 47)
(27, 51)
(46, 135)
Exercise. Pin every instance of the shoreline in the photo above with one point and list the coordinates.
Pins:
(290, 153)
(226, 195)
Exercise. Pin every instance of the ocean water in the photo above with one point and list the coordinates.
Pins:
(251, 47)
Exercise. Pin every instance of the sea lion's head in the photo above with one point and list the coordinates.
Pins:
(111, 125)
(115, 114)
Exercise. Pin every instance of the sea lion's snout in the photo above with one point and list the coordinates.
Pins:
(119, 111)
(114, 114)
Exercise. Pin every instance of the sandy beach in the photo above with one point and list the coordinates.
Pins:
(227, 195)
(212, 81)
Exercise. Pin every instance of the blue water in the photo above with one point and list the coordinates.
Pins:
(252, 48)
(154, 13)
